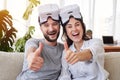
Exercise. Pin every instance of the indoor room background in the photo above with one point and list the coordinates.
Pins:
(101, 16)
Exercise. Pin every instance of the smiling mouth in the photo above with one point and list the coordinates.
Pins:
(75, 34)
(52, 33)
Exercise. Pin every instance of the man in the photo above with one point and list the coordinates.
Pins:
(42, 60)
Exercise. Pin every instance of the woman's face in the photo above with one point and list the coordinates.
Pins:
(74, 30)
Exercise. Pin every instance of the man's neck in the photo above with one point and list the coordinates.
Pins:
(51, 43)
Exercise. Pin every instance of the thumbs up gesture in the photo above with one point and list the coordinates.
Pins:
(35, 61)
(71, 57)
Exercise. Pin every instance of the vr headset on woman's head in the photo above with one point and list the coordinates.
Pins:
(68, 11)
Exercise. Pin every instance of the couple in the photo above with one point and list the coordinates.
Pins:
(77, 59)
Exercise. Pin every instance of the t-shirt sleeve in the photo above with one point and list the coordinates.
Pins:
(31, 43)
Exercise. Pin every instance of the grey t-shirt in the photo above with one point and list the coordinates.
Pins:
(52, 62)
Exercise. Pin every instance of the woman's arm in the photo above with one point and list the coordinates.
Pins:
(94, 50)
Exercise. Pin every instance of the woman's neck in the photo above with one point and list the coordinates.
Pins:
(78, 45)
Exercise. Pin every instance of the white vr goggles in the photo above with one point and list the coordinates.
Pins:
(71, 10)
(48, 10)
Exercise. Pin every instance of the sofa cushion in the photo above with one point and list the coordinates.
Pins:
(10, 65)
(112, 65)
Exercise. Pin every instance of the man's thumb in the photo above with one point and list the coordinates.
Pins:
(39, 49)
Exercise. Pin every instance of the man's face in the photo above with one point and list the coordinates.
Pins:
(50, 30)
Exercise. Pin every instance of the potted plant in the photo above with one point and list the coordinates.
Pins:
(20, 44)
(7, 31)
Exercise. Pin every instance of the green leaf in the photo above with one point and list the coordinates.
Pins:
(7, 31)
(20, 44)
(28, 11)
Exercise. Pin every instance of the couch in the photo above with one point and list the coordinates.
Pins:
(11, 65)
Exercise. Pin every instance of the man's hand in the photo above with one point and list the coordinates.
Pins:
(70, 57)
(35, 61)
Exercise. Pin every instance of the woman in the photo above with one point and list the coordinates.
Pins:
(91, 52)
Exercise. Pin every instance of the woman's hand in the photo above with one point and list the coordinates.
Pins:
(71, 57)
